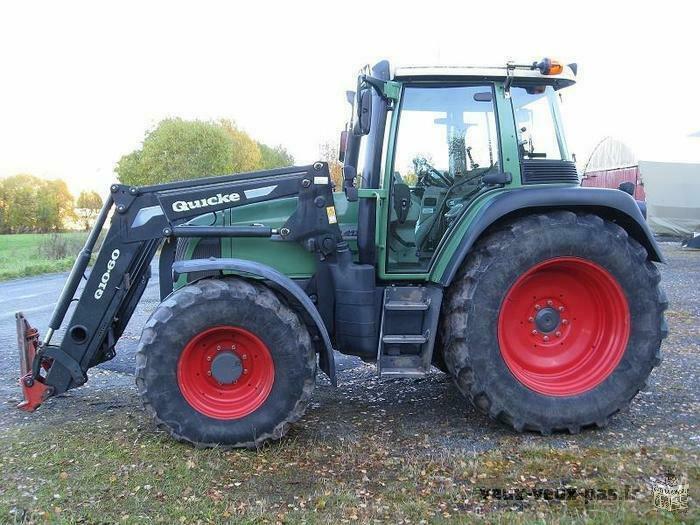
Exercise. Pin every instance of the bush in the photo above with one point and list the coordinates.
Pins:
(59, 246)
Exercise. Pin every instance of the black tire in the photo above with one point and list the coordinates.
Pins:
(469, 323)
(209, 303)
(438, 357)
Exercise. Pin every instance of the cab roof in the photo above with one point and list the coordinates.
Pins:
(521, 75)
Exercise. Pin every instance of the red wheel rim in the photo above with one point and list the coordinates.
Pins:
(563, 326)
(225, 372)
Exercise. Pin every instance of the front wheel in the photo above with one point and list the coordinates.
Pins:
(225, 362)
(554, 323)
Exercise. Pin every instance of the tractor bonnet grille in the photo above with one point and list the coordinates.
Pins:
(542, 171)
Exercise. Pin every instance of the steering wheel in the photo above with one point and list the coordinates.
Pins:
(436, 177)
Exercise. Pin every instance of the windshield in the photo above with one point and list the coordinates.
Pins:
(446, 134)
(536, 115)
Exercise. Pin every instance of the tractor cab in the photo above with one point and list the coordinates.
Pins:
(446, 137)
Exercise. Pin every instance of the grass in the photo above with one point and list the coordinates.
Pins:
(118, 469)
(26, 254)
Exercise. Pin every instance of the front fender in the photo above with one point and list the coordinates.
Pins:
(610, 204)
(291, 290)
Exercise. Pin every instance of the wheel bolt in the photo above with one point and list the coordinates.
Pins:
(233, 347)
(534, 332)
(208, 358)
(561, 308)
(564, 321)
(546, 338)
(244, 356)
(530, 319)
(245, 370)
(558, 334)
(218, 348)
(538, 307)
(550, 302)
(208, 372)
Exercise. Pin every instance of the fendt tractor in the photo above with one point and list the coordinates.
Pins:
(460, 238)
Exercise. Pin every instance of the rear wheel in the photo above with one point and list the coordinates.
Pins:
(225, 362)
(554, 323)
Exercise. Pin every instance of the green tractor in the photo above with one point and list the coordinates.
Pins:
(461, 239)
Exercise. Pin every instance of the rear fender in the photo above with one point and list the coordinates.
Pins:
(611, 204)
(292, 291)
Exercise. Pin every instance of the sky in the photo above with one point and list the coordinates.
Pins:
(83, 81)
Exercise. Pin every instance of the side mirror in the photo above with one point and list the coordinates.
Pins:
(363, 115)
(343, 145)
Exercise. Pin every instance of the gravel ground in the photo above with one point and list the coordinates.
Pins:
(429, 410)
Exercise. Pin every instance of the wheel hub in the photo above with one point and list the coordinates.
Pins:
(547, 319)
(563, 326)
(225, 372)
(226, 368)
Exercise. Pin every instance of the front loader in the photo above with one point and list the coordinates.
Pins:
(462, 240)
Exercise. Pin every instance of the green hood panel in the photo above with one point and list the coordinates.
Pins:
(288, 258)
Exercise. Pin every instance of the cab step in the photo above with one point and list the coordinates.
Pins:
(409, 323)
(407, 306)
(402, 366)
(405, 339)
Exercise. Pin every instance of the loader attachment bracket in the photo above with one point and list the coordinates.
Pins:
(34, 390)
(56, 355)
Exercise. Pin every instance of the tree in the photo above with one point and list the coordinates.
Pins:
(89, 200)
(54, 206)
(30, 204)
(88, 206)
(275, 157)
(178, 149)
(245, 152)
(329, 154)
(19, 203)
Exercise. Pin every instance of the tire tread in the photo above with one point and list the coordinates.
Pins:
(207, 289)
(459, 305)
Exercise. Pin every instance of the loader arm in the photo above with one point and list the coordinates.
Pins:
(142, 220)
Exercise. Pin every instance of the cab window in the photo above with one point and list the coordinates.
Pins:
(534, 109)
(447, 140)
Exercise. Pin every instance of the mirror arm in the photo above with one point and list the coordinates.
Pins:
(375, 83)
(352, 150)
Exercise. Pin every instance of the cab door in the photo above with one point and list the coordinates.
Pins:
(446, 141)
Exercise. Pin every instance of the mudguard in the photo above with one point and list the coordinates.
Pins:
(610, 204)
(291, 289)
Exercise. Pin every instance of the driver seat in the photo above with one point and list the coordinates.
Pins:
(423, 230)
(401, 198)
